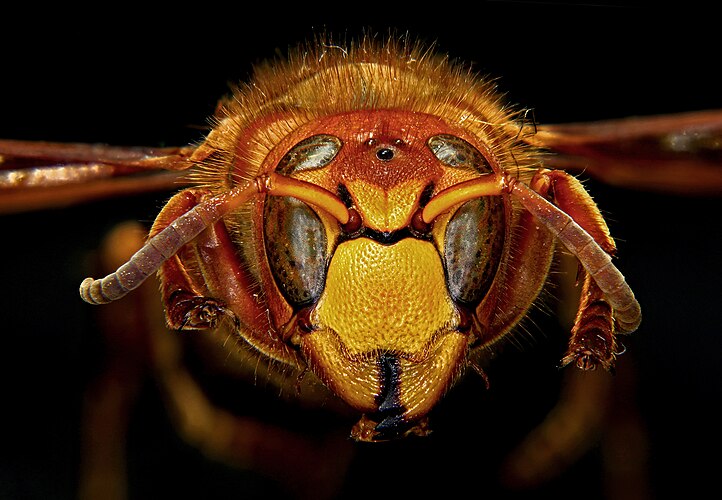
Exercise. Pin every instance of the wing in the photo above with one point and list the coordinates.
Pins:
(37, 175)
(680, 154)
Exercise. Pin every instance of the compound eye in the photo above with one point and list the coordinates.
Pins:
(457, 153)
(473, 244)
(314, 152)
(295, 241)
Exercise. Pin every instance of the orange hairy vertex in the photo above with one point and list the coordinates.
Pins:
(323, 79)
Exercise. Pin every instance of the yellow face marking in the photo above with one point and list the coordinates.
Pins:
(386, 297)
(386, 210)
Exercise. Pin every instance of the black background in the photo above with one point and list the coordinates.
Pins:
(132, 77)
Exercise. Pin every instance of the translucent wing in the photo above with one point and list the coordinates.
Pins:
(679, 154)
(37, 175)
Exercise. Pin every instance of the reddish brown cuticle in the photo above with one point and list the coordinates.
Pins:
(354, 221)
(418, 224)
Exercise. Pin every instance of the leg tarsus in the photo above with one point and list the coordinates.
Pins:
(589, 353)
(191, 312)
(593, 341)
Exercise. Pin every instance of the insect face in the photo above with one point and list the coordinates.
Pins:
(373, 214)
(385, 304)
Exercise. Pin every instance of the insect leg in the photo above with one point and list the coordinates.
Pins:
(207, 281)
(608, 304)
(184, 293)
(163, 246)
(592, 342)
